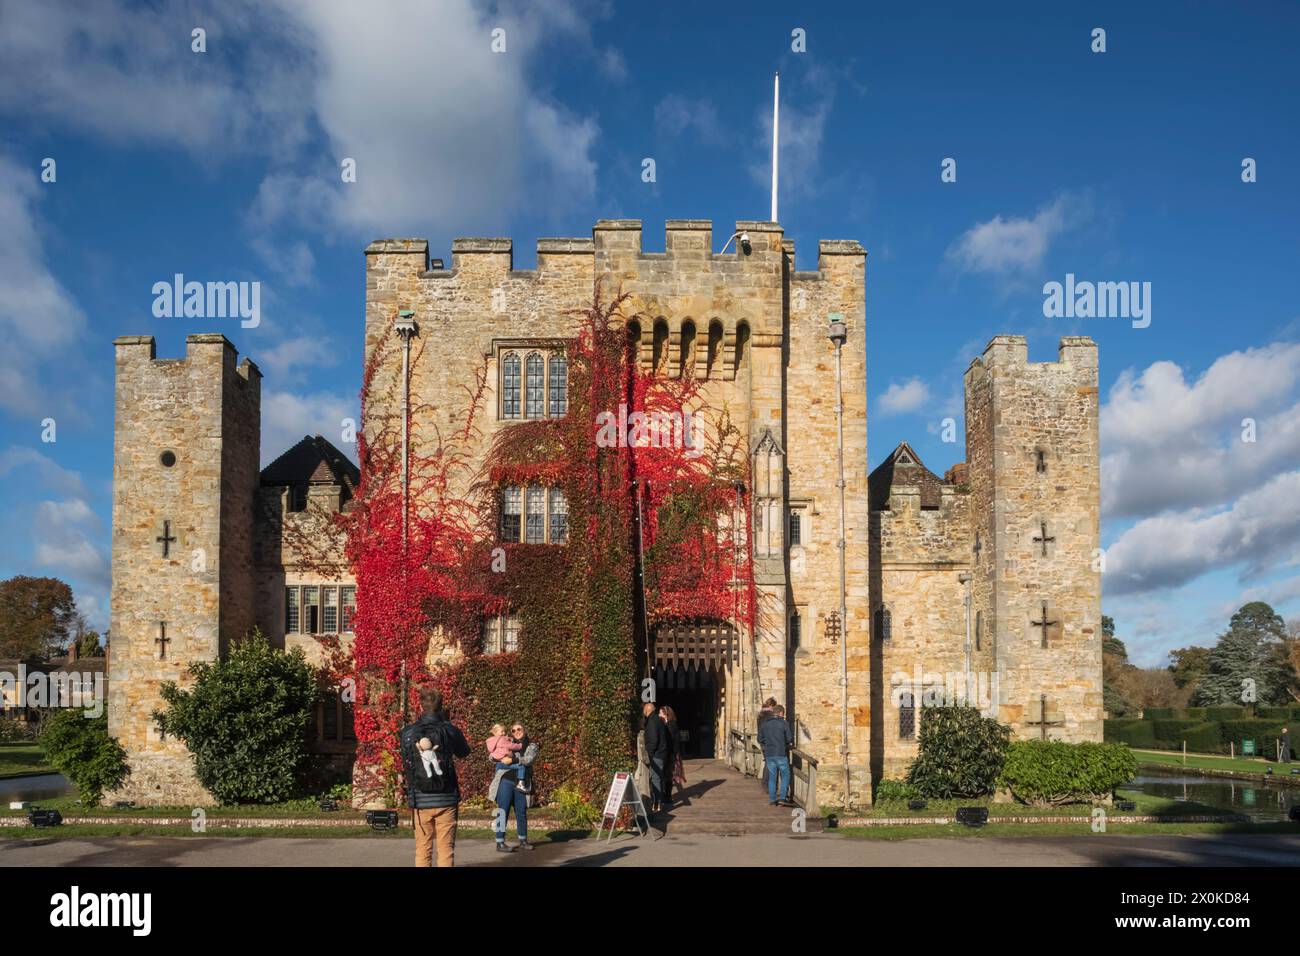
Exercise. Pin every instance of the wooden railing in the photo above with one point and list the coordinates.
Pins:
(744, 754)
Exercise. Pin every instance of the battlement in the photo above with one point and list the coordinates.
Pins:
(202, 347)
(1006, 351)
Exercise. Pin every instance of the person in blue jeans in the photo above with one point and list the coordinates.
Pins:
(509, 794)
(775, 738)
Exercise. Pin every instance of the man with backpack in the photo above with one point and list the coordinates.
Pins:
(429, 747)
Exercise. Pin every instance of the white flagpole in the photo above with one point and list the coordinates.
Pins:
(776, 134)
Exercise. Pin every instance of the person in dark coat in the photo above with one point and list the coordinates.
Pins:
(432, 790)
(777, 741)
(1285, 741)
(659, 754)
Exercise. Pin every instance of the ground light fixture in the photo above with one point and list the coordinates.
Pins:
(381, 819)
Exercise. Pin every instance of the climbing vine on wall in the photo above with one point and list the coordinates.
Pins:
(649, 492)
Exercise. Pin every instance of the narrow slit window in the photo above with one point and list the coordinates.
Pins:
(291, 610)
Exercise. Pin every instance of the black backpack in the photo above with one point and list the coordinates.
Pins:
(418, 779)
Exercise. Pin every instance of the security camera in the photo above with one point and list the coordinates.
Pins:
(745, 247)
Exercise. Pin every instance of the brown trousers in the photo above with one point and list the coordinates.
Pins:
(436, 825)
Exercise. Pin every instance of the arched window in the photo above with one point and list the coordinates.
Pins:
(742, 343)
(558, 386)
(660, 341)
(534, 370)
(883, 623)
(510, 386)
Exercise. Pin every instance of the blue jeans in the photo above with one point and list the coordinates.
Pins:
(778, 767)
(508, 795)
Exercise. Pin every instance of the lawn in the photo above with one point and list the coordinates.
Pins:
(18, 759)
(1214, 762)
(1145, 805)
(1081, 829)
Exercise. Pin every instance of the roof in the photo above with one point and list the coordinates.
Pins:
(313, 461)
(903, 467)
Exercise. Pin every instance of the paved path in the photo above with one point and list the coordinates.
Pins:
(719, 800)
(655, 851)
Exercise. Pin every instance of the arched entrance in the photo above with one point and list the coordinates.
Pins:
(689, 662)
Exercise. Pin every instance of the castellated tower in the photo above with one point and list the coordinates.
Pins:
(185, 478)
(1032, 456)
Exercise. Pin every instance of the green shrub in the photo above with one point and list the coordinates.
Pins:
(895, 790)
(1263, 732)
(1158, 713)
(1273, 713)
(1052, 772)
(1203, 737)
(1135, 733)
(573, 811)
(1225, 713)
(1174, 731)
(80, 748)
(961, 753)
(245, 719)
(14, 731)
(1195, 713)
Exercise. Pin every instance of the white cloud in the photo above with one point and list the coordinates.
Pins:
(53, 478)
(64, 541)
(446, 134)
(903, 397)
(1008, 246)
(287, 417)
(803, 129)
(1168, 444)
(677, 115)
(39, 320)
(286, 361)
(1259, 531)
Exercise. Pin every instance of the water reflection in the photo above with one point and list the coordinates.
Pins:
(34, 789)
(1259, 801)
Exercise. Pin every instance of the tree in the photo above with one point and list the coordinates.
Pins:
(89, 645)
(81, 749)
(1189, 665)
(245, 720)
(1249, 663)
(39, 614)
(1114, 664)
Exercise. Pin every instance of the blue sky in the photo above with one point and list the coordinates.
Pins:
(1115, 166)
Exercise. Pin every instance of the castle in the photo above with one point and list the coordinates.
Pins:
(988, 574)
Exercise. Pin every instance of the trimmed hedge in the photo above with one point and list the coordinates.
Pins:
(1158, 713)
(1048, 773)
(1135, 733)
(1225, 713)
(1197, 713)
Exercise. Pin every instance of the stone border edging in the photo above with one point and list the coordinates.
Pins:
(16, 821)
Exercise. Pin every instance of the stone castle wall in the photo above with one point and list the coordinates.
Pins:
(1032, 449)
(203, 409)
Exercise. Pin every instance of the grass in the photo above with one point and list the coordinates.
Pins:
(1081, 829)
(21, 759)
(1145, 805)
(1213, 762)
(69, 831)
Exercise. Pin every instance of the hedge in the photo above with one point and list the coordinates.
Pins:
(1198, 713)
(1225, 713)
(1158, 713)
(1052, 772)
(1135, 733)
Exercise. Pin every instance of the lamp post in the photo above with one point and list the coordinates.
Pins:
(406, 328)
(965, 579)
(837, 332)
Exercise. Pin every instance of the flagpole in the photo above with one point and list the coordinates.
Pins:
(776, 135)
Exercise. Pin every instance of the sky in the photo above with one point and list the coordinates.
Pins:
(1122, 165)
